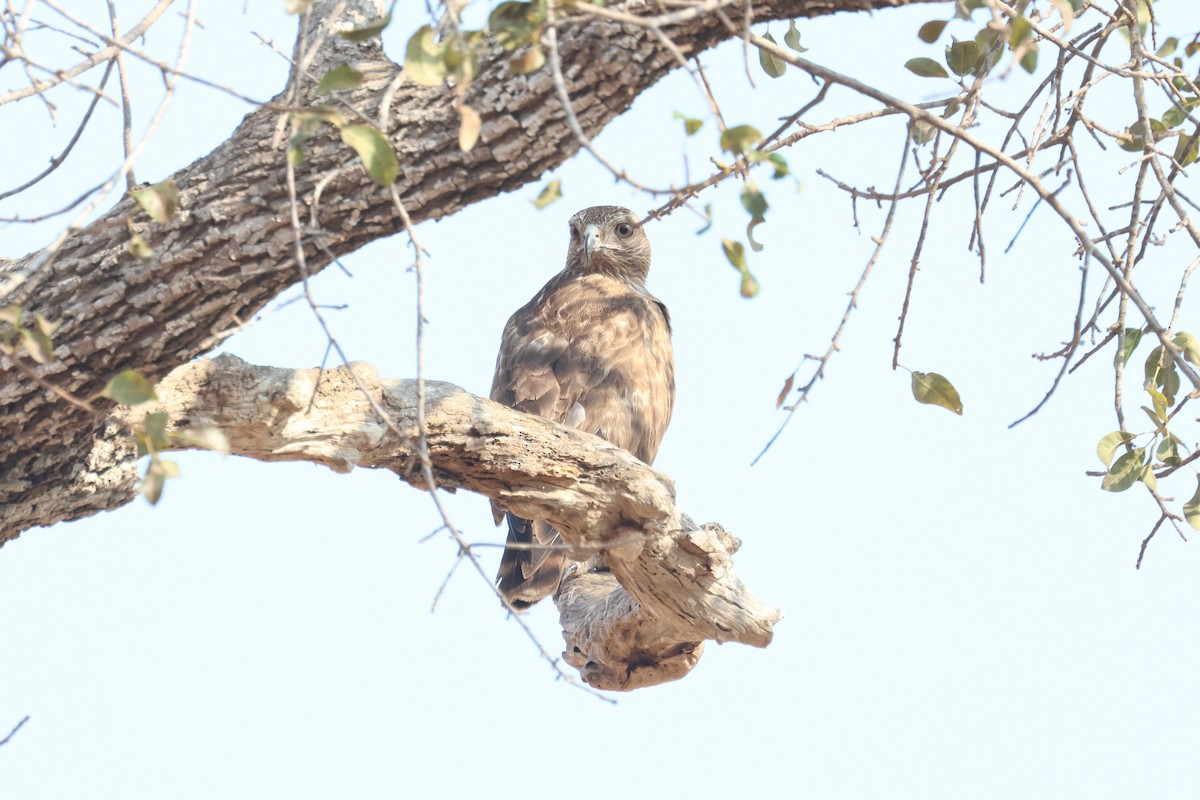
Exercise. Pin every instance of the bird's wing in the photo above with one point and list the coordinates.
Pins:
(593, 353)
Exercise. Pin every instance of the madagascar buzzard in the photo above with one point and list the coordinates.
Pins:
(591, 350)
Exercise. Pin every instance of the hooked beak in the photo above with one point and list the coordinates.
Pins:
(591, 240)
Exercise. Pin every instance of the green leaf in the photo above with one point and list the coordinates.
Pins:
(965, 8)
(1160, 402)
(1154, 363)
(1169, 383)
(1109, 444)
(138, 247)
(1191, 509)
(204, 438)
(367, 31)
(792, 38)
(775, 159)
(770, 64)
(155, 426)
(470, 124)
(749, 287)
(1135, 143)
(926, 68)
(755, 245)
(296, 6)
(306, 123)
(1133, 336)
(309, 120)
(423, 58)
(1189, 346)
(461, 56)
(780, 164)
(922, 132)
(754, 201)
(550, 192)
(157, 472)
(152, 483)
(129, 388)
(933, 389)
(931, 30)
(11, 314)
(1149, 478)
(708, 219)
(740, 138)
(45, 326)
(340, 77)
(376, 153)
(1187, 150)
(515, 24)
(1067, 11)
(962, 57)
(37, 344)
(1125, 471)
(160, 201)
(1030, 58)
(736, 253)
(531, 60)
(690, 124)
(1019, 31)
(989, 40)
(295, 154)
(1168, 451)
(1168, 47)
(1161, 374)
(1175, 114)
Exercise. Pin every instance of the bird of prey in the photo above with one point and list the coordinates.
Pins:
(591, 350)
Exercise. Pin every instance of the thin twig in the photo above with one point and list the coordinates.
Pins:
(823, 361)
(13, 732)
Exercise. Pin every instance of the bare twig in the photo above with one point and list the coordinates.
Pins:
(13, 732)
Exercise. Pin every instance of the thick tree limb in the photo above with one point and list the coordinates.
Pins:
(228, 252)
(677, 586)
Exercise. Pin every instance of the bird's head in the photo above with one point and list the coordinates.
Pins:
(609, 239)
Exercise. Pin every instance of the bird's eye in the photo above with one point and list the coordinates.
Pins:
(624, 230)
(574, 233)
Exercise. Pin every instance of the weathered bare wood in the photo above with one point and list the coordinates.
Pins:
(228, 252)
(677, 584)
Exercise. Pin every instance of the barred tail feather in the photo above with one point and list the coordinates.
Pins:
(533, 562)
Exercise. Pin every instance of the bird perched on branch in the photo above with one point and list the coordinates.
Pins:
(591, 350)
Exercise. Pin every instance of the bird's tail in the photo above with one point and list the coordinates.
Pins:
(533, 561)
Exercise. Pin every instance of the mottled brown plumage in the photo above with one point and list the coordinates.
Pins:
(591, 350)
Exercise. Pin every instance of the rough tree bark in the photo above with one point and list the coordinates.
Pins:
(229, 250)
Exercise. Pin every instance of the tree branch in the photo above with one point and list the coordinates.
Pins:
(672, 583)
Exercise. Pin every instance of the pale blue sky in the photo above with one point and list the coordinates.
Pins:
(962, 614)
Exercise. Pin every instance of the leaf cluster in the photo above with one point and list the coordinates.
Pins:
(1162, 449)
(376, 153)
(21, 334)
(131, 388)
